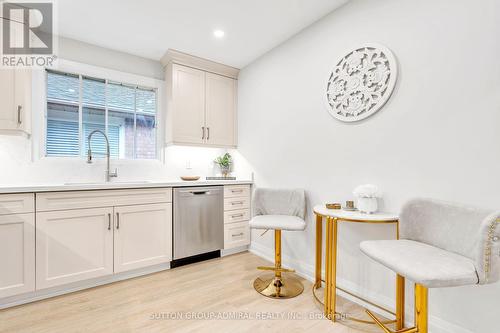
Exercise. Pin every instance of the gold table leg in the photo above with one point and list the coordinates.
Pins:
(400, 295)
(319, 249)
(329, 302)
(328, 254)
(331, 268)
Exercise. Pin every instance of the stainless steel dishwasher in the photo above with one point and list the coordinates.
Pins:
(198, 230)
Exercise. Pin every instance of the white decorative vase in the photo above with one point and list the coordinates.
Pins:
(367, 205)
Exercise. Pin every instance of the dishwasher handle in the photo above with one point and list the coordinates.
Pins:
(196, 192)
(199, 192)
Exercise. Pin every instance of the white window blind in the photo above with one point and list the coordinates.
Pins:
(77, 105)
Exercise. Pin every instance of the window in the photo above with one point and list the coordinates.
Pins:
(77, 105)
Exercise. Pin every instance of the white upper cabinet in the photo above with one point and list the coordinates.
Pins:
(220, 112)
(15, 100)
(201, 101)
(188, 104)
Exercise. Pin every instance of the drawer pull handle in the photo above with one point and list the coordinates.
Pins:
(237, 215)
(237, 235)
(237, 203)
(19, 110)
(237, 191)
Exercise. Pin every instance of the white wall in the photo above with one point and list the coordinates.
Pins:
(78, 51)
(437, 137)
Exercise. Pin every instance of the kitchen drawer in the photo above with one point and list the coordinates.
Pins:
(236, 203)
(17, 203)
(237, 215)
(236, 234)
(103, 198)
(236, 191)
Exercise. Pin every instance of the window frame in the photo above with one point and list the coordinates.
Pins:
(109, 75)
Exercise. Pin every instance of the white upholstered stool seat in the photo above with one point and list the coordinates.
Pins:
(423, 263)
(281, 222)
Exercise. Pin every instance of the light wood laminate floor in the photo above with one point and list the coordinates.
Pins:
(219, 287)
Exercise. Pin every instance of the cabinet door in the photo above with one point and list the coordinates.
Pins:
(220, 110)
(22, 99)
(17, 254)
(73, 245)
(143, 236)
(15, 99)
(188, 105)
(8, 110)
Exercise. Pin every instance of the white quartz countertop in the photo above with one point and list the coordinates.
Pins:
(84, 186)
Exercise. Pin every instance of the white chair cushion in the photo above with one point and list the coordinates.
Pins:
(422, 263)
(281, 222)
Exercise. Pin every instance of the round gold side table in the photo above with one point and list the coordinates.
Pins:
(333, 217)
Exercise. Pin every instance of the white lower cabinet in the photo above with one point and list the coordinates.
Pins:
(143, 236)
(73, 245)
(77, 242)
(17, 254)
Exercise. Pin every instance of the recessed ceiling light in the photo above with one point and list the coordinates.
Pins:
(219, 33)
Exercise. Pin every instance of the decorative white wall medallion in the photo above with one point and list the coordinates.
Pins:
(361, 83)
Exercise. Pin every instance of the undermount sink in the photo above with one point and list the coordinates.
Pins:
(109, 183)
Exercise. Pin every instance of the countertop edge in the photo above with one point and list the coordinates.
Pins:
(115, 186)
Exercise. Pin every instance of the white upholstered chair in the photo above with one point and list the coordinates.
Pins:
(278, 210)
(441, 245)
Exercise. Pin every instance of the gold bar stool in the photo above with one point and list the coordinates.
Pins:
(442, 245)
(278, 210)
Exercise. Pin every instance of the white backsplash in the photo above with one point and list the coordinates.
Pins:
(18, 167)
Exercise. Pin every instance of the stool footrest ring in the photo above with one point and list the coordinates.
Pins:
(388, 330)
(272, 268)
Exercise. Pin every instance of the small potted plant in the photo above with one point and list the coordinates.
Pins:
(367, 196)
(224, 162)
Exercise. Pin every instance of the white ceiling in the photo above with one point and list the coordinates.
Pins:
(149, 28)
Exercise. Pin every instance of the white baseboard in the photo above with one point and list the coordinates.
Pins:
(305, 270)
(234, 250)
